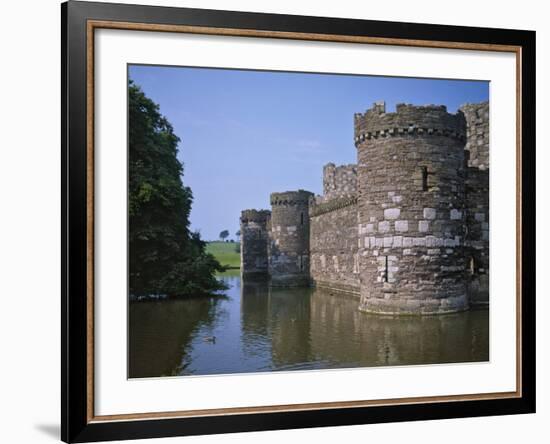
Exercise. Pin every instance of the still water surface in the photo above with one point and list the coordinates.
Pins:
(256, 328)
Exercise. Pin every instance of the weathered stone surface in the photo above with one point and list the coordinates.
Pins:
(392, 213)
(406, 228)
(288, 246)
(401, 225)
(477, 205)
(423, 226)
(429, 213)
(423, 164)
(254, 238)
(455, 214)
(477, 134)
(339, 181)
(383, 226)
(479, 217)
(333, 236)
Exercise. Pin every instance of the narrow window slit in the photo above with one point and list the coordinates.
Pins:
(424, 178)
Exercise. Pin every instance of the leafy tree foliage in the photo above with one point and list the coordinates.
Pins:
(165, 257)
(224, 234)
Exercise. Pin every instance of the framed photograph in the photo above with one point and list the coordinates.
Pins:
(275, 221)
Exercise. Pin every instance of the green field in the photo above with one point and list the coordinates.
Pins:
(225, 253)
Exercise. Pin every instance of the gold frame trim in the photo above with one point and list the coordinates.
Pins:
(92, 25)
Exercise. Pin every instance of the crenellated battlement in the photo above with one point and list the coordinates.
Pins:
(405, 229)
(409, 120)
(332, 205)
(252, 215)
(288, 198)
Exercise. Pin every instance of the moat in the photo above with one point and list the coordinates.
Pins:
(255, 328)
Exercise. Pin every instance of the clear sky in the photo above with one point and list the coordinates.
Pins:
(245, 134)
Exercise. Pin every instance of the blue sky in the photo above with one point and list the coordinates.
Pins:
(245, 134)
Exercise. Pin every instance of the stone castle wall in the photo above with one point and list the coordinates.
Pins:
(411, 214)
(477, 200)
(406, 229)
(333, 245)
(339, 181)
(477, 236)
(477, 133)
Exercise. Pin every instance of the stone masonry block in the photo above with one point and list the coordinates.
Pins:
(480, 217)
(455, 214)
(383, 226)
(429, 213)
(423, 226)
(397, 241)
(401, 225)
(392, 213)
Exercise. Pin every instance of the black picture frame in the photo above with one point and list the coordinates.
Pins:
(76, 423)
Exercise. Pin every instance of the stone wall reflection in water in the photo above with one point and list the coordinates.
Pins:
(258, 328)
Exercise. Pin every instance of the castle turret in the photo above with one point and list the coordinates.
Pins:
(254, 240)
(411, 209)
(289, 238)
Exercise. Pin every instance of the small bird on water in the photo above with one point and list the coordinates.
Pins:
(209, 339)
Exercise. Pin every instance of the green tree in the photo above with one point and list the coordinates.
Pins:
(238, 234)
(224, 234)
(165, 257)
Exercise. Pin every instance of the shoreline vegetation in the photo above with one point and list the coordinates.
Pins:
(166, 258)
(226, 253)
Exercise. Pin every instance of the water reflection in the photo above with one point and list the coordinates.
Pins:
(161, 331)
(258, 328)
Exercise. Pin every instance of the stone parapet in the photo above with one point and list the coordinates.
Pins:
(290, 198)
(259, 216)
(409, 120)
(337, 203)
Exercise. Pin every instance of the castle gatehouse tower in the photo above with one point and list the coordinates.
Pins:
(411, 209)
(254, 239)
(288, 247)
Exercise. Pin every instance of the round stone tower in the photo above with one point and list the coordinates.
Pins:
(254, 240)
(411, 209)
(288, 249)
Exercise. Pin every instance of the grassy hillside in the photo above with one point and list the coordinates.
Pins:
(225, 253)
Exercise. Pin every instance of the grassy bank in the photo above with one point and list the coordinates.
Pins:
(226, 253)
